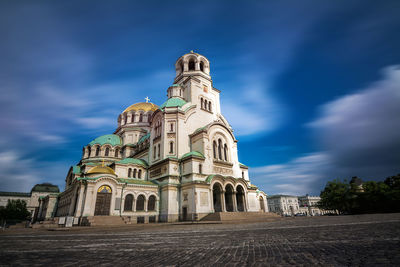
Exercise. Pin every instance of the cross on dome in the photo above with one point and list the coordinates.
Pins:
(147, 99)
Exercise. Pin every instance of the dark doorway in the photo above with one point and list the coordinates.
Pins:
(229, 197)
(103, 201)
(217, 197)
(184, 213)
(262, 207)
(240, 198)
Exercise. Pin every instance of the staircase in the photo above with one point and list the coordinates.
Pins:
(242, 216)
(105, 220)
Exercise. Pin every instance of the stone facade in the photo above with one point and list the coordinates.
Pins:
(176, 161)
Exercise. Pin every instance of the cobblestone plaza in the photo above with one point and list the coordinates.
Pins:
(365, 240)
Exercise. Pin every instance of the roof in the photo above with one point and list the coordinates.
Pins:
(135, 181)
(195, 154)
(46, 187)
(111, 139)
(242, 165)
(133, 161)
(142, 106)
(15, 194)
(275, 196)
(173, 102)
(143, 138)
(101, 169)
(76, 169)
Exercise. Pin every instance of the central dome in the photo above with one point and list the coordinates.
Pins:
(142, 106)
(101, 170)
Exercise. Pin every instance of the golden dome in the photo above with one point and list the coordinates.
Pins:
(101, 169)
(142, 106)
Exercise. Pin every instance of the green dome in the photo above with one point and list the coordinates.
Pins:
(133, 161)
(111, 139)
(193, 154)
(173, 102)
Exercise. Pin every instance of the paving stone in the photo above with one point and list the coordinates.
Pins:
(366, 240)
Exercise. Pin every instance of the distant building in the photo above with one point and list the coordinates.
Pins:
(308, 205)
(283, 204)
(31, 199)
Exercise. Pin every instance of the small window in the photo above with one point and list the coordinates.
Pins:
(172, 127)
(209, 106)
(191, 64)
(155, 152)
(116, 152)
(134, 173)
(140, 117)
(200, 168)
(202, 66)
(215, 149)
(140, 174)
(201, 101)
(225, 152)
(133, 118)
(97, 151)
(159, 150)
(129, 172)
(243, 175)
(107, 152)
(171, 147)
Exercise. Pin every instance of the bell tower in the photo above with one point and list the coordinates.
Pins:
(193, 82)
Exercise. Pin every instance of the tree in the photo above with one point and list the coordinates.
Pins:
(15, 210)
(336, 196)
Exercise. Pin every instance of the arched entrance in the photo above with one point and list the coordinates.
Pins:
(103, 201)
(229, 197)
(217, 197)
(240, 198)
(262, 207)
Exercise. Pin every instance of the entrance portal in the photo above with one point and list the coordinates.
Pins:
(229, 197)
(217, 197)
(103, 201)
(240, 198)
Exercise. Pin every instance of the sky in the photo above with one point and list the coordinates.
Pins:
(311, 88)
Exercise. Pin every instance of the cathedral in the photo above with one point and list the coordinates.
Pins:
(173, 162)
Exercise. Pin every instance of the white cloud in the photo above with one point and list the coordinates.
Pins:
(359, 135)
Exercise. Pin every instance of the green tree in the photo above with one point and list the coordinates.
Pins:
(15, 210)
(336, 196)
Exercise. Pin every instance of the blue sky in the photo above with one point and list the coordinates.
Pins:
(312, 88)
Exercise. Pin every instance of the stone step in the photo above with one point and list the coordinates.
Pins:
(241, 216)
(105, 220)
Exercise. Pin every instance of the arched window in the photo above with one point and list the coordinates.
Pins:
(191, 64)
(225, 152)
(209, 106)
(128, 203)
(201, 101)
(205, 104)
(215, 149)
(172, 127)
(200, 168)
(151, 203)
(107, 152)
(116, 152)
(159, 150)
(140, 203)
(129, 172)
(134, 173)
(140, 174)
(97, 151)
(133, 118)
(155, 151)
(202, 66)
(140, 117)
(171, 147)
(220, 149)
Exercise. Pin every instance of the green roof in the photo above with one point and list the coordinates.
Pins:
(76, 169)
(111, 139)
(46, 187)
(133, 161)
(173, 102)
(15, 194)
(242, 165)
(135, 181)
(193, 154)
(143, 138)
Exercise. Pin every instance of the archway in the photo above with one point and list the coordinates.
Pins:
(262, 207)
(217, 197)
(128, 203)
(229, 198)
(103, 201)
(240, 198)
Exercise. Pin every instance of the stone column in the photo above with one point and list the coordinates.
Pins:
(223, 208)
(197, 65)
(234, 201)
